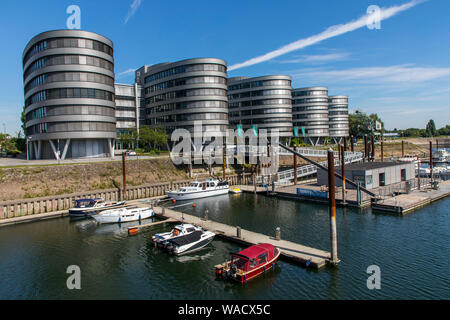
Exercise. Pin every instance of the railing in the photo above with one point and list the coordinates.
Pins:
(311, 169)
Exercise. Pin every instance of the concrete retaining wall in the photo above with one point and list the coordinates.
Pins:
(24, 207)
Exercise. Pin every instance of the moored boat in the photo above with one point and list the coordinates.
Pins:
(120, 215)
(235, 190)
(200, 189)
(249, 263)
(86, 207)
(183, 238)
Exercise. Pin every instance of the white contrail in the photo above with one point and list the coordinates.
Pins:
(333, 31)
(133, 8)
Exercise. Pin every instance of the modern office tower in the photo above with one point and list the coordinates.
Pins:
(180, 93)
(310, 113)
(128, 109)
(261, 103)
(69, 95)
(338, 115)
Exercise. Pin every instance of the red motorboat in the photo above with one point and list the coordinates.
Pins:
(249, 263)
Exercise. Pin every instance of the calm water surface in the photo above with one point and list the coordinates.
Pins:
(412, 252)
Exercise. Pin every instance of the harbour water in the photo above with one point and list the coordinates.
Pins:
(412, 252)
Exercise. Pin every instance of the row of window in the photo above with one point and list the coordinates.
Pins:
(338, 113)
(310, 93)
(311, 123)
(184, 69)
(64, 93)
(260, 83)
(70, 110)
(184, 81)
(323, 109)
(259, 112)
(52, 127)
(68, 59)
(187, 105)
(188, 117)
(338, 100)
(310, 116)
(259, 93)
(338, 106)
(264, 102)
(185, 93)
(310, 100)
(288, 121)
(67, 43)
(338, 126)
(69, 76)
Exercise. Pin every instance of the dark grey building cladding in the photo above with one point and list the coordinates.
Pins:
(262, 101)
(69, 95)
(178, 94)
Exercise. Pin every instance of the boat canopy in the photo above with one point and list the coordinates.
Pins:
(256, 251)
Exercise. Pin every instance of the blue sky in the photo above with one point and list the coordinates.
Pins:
(401, 71)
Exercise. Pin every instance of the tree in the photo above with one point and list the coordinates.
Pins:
(23, 119)
(431, 128)
(360, 124)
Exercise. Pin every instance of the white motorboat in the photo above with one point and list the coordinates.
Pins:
(441, 155)
(123, 215)
(200, 189)
(183, 238)
(86, 207)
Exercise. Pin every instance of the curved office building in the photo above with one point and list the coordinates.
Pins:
(181, 93)
(262, 101)
(310, 112)
(338, 115)
(69, 95)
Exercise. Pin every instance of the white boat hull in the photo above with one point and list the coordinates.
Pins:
(195, 246)
(120, 215)
(196, 194)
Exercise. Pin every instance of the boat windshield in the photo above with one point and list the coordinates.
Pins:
(84, 203)
(193, 184)
(238, 262)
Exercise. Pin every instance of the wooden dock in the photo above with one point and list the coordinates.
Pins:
(297, 253)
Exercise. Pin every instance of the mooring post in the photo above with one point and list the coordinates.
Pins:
(403, 148)
(206, 215)
(431, 163)
(278, 233)
(224, 162)
(254, 179)
(366, 151)
(295, 167)
(332, 207)
(339, 152)
(124, 177)
(238, 232)
(418, 173)
(352, 144)
(373, 149)
(343, 175)
(382, 151)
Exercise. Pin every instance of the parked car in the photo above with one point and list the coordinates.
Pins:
(131, 153)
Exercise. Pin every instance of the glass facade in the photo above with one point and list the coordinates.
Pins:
(69, 93)
(249, 106)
